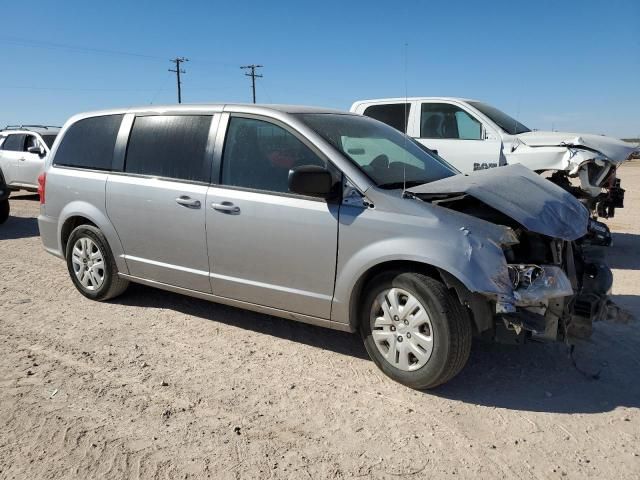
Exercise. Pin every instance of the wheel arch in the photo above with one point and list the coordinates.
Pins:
(477, 305)
(84, 213)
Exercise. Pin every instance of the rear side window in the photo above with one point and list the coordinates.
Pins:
(395, 115)
(171, 146)
(89, 143)
(14, 143)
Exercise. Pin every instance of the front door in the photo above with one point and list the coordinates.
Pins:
(267, 246)
(10, 155)
(157, 205)
(458, 137)
(31, 164)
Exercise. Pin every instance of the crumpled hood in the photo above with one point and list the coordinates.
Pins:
(614, 149)
(534, 202)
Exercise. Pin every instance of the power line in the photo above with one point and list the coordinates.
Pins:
(253, 76)
(80, 49)
(178, 71)
(73, 89)
(28, 43)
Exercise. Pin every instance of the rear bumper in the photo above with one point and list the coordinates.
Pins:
(49, 234)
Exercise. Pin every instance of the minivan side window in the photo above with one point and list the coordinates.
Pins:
(259, 155)
(89, 143)
(14, 142)
(170, 146)
(443, 120)
(395, 115)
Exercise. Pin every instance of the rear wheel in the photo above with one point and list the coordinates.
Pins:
(4, 210)
(414, 329)
(91, 264)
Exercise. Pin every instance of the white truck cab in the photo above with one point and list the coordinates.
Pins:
(472, 135)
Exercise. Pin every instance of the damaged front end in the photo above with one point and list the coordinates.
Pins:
(557, 285)
(559, 289)
(584, 165)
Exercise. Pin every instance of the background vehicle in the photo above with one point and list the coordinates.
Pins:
(323, 217)
(22, 152)
(4, 200)
(472, 135)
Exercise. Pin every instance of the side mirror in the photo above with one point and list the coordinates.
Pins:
(37, 150)
(310, 180)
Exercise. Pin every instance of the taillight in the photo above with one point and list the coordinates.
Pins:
(42, 179)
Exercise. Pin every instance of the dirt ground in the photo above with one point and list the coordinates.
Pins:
(157, 385)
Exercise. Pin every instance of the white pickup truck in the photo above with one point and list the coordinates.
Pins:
(472, 135)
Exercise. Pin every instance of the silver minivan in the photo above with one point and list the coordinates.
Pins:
(324, 217)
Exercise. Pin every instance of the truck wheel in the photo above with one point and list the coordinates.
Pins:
(4, 210)
(414, 329)
(91, 264)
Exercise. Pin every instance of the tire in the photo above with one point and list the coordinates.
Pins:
(4, 210)
(400, 346)
(86, 245)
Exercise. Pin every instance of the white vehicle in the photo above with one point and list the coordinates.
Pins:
(472, 135)
(23, 149)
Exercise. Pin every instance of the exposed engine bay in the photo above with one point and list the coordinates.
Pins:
(560, 287)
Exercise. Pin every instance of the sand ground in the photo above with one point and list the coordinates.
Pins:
(156, 385)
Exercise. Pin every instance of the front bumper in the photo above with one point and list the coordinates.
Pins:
(557, 305)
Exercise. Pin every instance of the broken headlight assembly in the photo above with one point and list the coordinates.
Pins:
(533, 284)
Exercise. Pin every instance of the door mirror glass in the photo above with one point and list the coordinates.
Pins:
(310, 180)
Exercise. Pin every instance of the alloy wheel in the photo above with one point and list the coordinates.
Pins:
(401, 329)
(88, 264)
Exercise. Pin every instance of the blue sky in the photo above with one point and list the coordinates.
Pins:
(570, 65)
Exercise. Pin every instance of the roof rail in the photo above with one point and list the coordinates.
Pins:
(20, 127)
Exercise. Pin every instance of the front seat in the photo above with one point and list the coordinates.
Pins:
(432, 126)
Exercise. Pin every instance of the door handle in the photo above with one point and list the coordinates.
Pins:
(22, 159)
(188, 202)
(226, 207)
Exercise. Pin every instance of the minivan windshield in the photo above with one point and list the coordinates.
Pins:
(390, 158)
(504, 121)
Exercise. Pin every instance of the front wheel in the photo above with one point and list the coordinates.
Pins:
(414, 329)
(91, 264)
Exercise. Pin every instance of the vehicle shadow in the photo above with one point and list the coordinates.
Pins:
(631, 303)
(623, 254)
(332, 340)
(19, 227)
(530, 377)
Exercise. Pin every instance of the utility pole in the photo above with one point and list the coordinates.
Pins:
(178, 71)
(253, 76)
